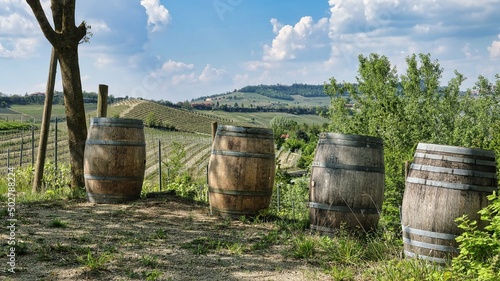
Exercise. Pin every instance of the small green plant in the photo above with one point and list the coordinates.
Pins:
(236, 248)
(149, 261)
(159, 234)
(304, 247)
(57, 223)
(479, 257)
(96, 263)
(342, 273)
(153, 275)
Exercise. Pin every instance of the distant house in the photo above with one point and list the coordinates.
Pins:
(38, 94)
(206, 105)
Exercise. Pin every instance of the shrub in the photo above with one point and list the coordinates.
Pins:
(479, 257)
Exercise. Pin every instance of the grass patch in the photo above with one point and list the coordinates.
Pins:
(57, 223)
(96, 262)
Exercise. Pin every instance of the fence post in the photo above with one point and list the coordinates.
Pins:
(159, 162)
(278, 195)
(21, 154)
(55, 147)
(102, 101)
(32, 146)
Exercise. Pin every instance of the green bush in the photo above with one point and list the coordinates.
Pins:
(479, 257)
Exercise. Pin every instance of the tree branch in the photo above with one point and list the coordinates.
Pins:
(81, 31)
(40, 16)
(68, 17)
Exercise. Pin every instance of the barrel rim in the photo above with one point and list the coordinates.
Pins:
(351, 137)
(103, 121)
(455, 149)
(244, 129)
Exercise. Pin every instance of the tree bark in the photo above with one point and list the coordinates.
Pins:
(65, 39)
(75, 113)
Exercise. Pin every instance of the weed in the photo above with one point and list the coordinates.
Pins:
(57, 223)
(159, 234)
(152, 275)
(236, 248)
(202, 245)
(132, 274)
(96, 263)
(303, 247)
(150, 261)
(342, 273)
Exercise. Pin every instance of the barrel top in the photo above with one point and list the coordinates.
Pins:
(245, 130)
(116, 122)
(456, 149)
(350, 137)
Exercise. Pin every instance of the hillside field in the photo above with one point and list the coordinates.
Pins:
(193, 132)
(255, 99)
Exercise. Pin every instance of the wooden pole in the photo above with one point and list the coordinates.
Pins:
(214, 130)
(102, 101)
(159, 163)
(44, 130)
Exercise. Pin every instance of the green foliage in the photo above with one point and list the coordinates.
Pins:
(97, 262)
(281, 123)
(174, 162)
(284, 92)
(303, 247)
(412, 108)
(57, 223)
(151, 119)
(55, 184)
(13, 125)
(479, 257)
(292, 199)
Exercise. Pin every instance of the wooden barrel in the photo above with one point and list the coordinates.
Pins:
(347, 183)
(241, 170)
(443, 183)
(114, 160)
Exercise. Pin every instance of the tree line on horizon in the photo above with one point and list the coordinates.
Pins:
(39, 98)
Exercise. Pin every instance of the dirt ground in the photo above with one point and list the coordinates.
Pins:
(160, 238)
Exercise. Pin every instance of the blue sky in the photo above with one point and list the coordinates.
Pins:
(181, 49)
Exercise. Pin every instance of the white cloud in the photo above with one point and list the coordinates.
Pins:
(18, 47)
(14, 24)
(210, 73)
(290, 40)
(174, 66)
(98, 26)
(158, 15)
(184, 78)
(103, 61)
(494, 49)
(276, 25)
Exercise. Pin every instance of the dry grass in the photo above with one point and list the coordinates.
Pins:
(161, 238)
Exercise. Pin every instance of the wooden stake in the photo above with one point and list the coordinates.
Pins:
(214, 129)
(102, 101)
(44, 132)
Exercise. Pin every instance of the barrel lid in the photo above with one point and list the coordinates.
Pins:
(116, 122)
(245, 130)
(350, 137)
(456, 149)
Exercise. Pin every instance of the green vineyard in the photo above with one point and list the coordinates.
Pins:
(18, 148)
(181, 120)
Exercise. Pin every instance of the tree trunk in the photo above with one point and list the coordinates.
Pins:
(75, 112)
(65, 39)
